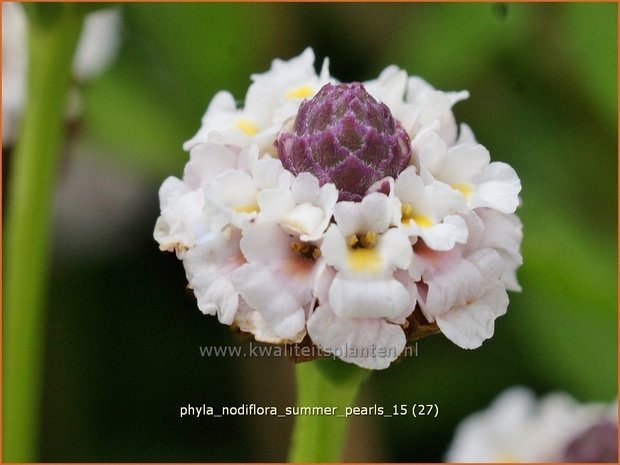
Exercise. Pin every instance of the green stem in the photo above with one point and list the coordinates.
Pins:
(52, 44)
(324, 383)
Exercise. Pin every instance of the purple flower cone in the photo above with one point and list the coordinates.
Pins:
(344, 136)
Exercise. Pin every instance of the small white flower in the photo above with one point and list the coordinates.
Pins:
(467, 168)
(272, 98)
(278, 279)
(303, 210)
(461, 289)
(366, 254)
(371, 343)
(519, 428)
(429, 210)
(233, 196)
(183, 222)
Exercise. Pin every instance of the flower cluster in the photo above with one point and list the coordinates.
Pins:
(517, 427)
(351, 215)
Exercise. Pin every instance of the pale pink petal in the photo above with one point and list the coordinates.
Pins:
(251, 321)
(276, 299)
(371, 343)
(265, 243)
(471, 324)
(209, 268)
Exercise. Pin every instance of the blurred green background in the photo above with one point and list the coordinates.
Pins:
(123, 332)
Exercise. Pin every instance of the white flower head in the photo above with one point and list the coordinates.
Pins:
(517, 427)
(344, 215)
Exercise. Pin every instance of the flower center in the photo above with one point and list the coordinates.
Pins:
(363, 256)
(306, 250)
(408, 215)
(344, 136)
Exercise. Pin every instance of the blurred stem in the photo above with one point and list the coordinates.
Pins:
(324, 383)
(51, 48)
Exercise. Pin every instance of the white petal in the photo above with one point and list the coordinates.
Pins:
(404, 278)
(443, 236)
(171, 191)
(359, 298)
(209, 268)
(267, 174)
(237, 189)
(219, 115)
(304, 219)
(305, 188)
(389, 87)
(466, 135)
(502, 231)
(438, 201)
(99, 43)
(498, 187)
(373, 213)
(275, 204)
(281, 310)
(376, 213)
(370, 343)
(206, 162)
(251, 321)
(431, 150)
(265, 243)
(463, 162)
(469, 325)
(182, 222)
(395, 249)
(408, 186)
(451, 287)
(334, 248)
(348, 216)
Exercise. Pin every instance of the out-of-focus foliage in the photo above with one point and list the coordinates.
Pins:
(123, 335)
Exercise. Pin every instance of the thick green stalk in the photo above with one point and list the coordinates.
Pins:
(324, 383)
(52, 40)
